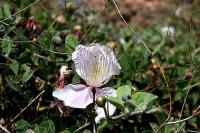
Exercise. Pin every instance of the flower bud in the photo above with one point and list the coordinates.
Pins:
(65, 71)
(57, 40)
(112, 45)
(101, 101)
(126, 110)
(61, 20)
(63, 33)
(188, 75)
(29, 131)
(2, 121)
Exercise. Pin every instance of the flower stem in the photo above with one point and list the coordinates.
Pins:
(94, 123)
(81, 128)
(106, 113)
(93, 91)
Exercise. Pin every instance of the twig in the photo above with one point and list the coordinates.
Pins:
(135, 34)
(53, 23)
(144, 44)
(6, 57)
(90, 27)
(42, 57)
(163, 74)
(152, 85)
(27, 106)
(54, 52)
(93, 23)
(137, 112)
(4, 129)
(21, 10)
(179, 128)
(188, 87)
(192, 131)
(80, 128)
(118, 116)
(179, 121)
(4, 23)
(106, 113)
(175, 122)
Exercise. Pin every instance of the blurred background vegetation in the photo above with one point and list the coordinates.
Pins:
(37, 37)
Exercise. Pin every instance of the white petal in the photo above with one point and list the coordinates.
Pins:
(106, 91)
(64, 70)
(109, 107)
(168, 30)
(95, 63)
(76, 96)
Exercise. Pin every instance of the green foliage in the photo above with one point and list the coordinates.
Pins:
(22, 125)
(5, 11)
(117, 101)
(122, 90)
(6, 45)
(27, 75)
(30, 61)
(71, 42)
(46, 126)
(15, 67)
(142, 99)
(137, 100)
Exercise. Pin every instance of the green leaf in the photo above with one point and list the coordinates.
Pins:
(25, 67)
(13, 83)
(35, 128)
(25, 54)
(87, 131)
(47, 127)
(7, 45)
(22, 124)
(116, 102)
(102, 125)
(71, 41)
(45, 39)
(76, 79)
(142, 99)
(65, 131)
(27, 75)
(126, 89)
(6, 10)
(154, 126)
(15, 67)
(127, 65)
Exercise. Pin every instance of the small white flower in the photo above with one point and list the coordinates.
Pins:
(96, 64)
(168, 30)
(64, 70)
